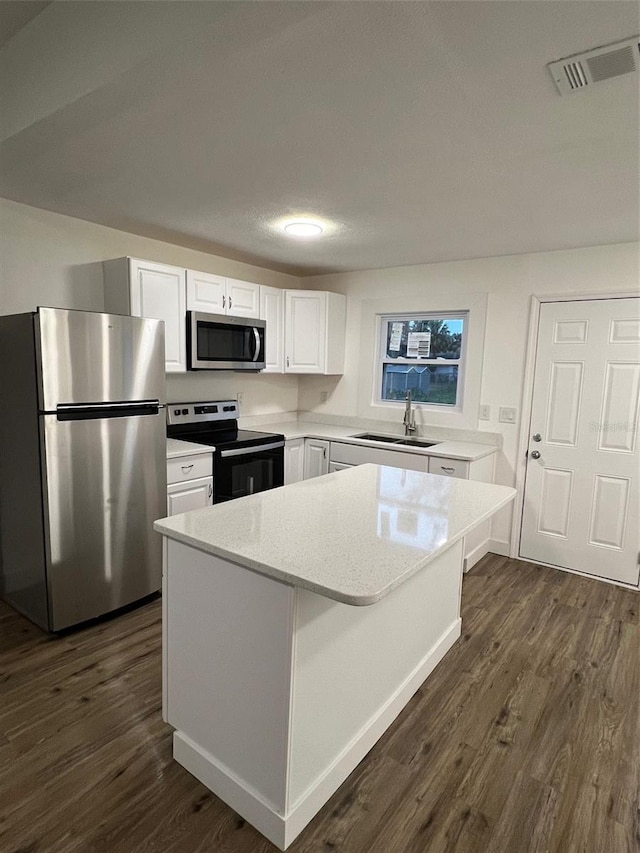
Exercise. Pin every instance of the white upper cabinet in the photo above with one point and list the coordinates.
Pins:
(314, 332)
(271, 311)
(206, 292)
(243, 298)
(157, 291)
(215, 294)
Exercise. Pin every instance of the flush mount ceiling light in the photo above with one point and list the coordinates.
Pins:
(303, 228)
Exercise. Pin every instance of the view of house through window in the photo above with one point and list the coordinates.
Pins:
(422, 353)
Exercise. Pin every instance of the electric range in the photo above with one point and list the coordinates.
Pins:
(244, 461)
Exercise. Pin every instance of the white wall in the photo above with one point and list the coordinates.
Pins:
(50, 259)
(509, 283)
(55, 260)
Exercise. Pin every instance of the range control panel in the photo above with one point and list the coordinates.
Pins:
(194, 413)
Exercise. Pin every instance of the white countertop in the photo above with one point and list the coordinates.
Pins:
(352, 536)
(175, 448)
(465, 450)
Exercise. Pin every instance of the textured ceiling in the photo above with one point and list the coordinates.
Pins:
(426, 131)
(14, 14)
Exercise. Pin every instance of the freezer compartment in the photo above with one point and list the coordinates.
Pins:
(105, 485)
(89, 357)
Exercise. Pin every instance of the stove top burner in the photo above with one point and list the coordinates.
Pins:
(209, 423)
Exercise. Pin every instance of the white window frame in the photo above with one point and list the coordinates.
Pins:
(382, 359)
(364, 386)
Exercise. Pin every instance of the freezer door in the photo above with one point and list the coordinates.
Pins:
(91, 358)
(105, 484)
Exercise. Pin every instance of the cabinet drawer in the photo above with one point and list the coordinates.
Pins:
(449, 467)
(183, 468)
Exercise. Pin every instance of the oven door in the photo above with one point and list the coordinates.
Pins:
(218, 342)
(247, 470)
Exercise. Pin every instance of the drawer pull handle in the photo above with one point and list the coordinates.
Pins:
(186, 468)
(447, 468)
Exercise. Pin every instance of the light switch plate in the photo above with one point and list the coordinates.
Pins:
(485, 413)
(507, 415)
(323, 396)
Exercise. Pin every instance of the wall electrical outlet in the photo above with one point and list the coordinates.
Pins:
(485, 413)
(240, 397)
(507, 415)
(323, 396)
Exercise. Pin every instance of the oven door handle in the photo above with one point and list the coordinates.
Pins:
(246, 451)
(256, 335)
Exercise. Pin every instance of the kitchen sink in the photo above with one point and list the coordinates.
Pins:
(416, 442)
(392, 439)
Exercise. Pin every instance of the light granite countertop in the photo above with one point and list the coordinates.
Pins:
(175, 448)
(464, 450)
(352, 536)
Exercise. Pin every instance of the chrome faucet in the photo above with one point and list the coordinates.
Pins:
(409, 419)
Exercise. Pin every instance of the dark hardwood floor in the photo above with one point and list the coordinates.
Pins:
(525, 738)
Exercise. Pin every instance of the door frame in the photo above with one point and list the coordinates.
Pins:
(527, 399)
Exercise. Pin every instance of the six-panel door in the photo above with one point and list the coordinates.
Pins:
(581, 494)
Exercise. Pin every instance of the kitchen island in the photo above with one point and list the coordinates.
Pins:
(297, 623)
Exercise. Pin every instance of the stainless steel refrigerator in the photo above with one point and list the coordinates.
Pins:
(82, 462)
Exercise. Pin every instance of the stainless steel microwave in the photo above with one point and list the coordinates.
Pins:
(220, 342)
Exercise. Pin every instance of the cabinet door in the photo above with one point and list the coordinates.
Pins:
(271, 311)
(158, 292)
(243, 298)
(316, 458)
(206, 292)
(194, 494)
(305, 331)
(293, 461)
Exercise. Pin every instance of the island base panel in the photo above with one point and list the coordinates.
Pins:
(336, 678)
(350, 663)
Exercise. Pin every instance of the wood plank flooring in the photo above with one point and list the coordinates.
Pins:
(525, 738)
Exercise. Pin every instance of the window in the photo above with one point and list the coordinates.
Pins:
(424, 354)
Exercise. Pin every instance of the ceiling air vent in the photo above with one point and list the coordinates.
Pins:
(594, 66)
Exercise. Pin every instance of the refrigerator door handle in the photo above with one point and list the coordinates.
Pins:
(83, 411)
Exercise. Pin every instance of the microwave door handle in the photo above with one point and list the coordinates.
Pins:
(256, 335)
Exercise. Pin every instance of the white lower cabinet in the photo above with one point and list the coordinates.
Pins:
(338, 466)
(356, 454)
(293, 461)
(189, 483)
(316, 458)
(477, 542)
(193, 494)
(450, 467)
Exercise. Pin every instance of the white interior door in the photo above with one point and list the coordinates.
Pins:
(581, 493)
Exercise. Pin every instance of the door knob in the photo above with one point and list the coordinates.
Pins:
(535, 454)
(537, 437)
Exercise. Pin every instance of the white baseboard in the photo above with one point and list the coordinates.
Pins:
(499, 546)
(281, 830)
(476, 554)
(231, 790)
